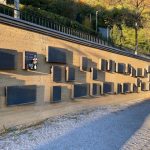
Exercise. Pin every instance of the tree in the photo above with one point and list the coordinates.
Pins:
(134, 17)
(138, 19)
(66, 8)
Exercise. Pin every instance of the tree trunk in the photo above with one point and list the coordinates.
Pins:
(136, 40)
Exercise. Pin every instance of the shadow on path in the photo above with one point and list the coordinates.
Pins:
(109, 132)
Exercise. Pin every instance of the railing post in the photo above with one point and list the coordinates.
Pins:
(83, 35)
(64, 29)
(54, 26)
(48, 24)
(51, 25)
(92, 38)
(32, 19)
(68, 30)
(75, 32)
(88, 37)
(42, 22)
(103, 42)
(3, 10)
(72, 31)
(79, 34)
(16, 10)
(59, 27)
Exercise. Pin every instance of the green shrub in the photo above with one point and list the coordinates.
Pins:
(57, 19)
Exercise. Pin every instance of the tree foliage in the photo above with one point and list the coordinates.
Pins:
(119, 15)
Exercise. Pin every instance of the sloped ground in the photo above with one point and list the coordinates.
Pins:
(122, 126)
(19, 117)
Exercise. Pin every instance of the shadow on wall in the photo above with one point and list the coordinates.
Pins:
(40, 95)
(8, 80)
(43, 66)
(111, 131)
(66, 93)
(74, 49)
(101, 74)
(82, 52)
(81, 76)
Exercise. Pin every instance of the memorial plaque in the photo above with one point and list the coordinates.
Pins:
(57, 73)
(94, 74)
(126, 87)
(134, 72)
(121, 68)
(145, 73)
(108, 88)
(104, 65)
(56, 93)
(119, 88)
(86, 64)
(70, 74)
(8, 59)
(135, 88)
(139, 72)
(80, 90)
(143, 86)
(129, 70)
(56, 55)
(112, 66)
(139, 82)
(31, 60)
(94, 89)
(17, 95)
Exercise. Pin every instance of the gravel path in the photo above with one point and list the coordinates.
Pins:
(125, 127)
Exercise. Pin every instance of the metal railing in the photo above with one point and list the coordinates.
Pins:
(46, 22)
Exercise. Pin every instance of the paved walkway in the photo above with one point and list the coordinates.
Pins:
(27, 115)
(125, 128)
